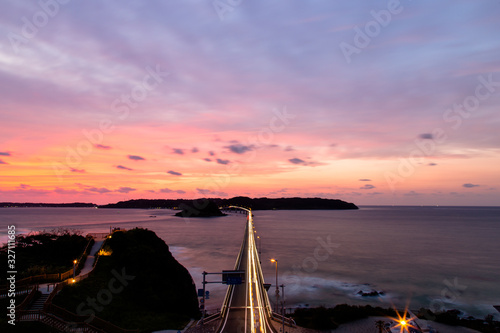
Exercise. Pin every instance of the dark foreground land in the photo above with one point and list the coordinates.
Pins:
(149, 289)
(46, 252)
(136, 283)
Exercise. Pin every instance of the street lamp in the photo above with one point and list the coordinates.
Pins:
(74, 268)
(259, 245)
(283, 306)
(277, 287)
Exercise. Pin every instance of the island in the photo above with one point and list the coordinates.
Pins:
(202, 208)
(253, 203)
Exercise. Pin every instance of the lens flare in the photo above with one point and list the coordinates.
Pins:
(404, 322)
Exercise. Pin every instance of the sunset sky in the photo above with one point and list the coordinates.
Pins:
(372, 102)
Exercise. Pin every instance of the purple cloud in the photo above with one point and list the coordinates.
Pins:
(210, 192)
(64, 191)
(469, 185)
(412, 193)
(102, 147)
(99, 190)
(365, 180)
(195, 150)
(207, 159)
(2, 162)
(77, 170)
(297, 161)
(221, 161)
(239, 148)
(174, 173)
(123, 168)
(4, 153)
(426, 136)
(167, 190)
(125, 189)
(136, 158)
(178, 151)
(367, 187)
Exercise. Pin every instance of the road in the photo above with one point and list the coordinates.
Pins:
(247, 307)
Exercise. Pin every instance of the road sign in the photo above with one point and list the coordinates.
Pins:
(234, 280)
(233, 277)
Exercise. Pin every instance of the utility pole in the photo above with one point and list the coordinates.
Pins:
(204, 307)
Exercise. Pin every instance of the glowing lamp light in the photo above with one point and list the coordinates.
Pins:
(273, 260)
(403, 322)
(73, 280)
(74, 261)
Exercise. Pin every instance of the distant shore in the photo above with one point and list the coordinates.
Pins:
(51, 205)
(253, 203)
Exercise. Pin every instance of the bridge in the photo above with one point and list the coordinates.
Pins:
(246, 307)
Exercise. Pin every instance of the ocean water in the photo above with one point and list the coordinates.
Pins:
(434, 257)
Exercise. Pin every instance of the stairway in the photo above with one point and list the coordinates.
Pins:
(38, 303)
(56, 323)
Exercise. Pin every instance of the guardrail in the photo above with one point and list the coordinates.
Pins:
(229, 290)
(4, 291)
(28, 315)
(98, 234)
(264, 292)
(27, 300)
(279, 318)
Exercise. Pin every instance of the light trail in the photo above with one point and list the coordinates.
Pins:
(256, 298)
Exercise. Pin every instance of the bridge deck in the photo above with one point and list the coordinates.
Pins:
(248, 308)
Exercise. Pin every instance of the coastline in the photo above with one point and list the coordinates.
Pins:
(367, 325)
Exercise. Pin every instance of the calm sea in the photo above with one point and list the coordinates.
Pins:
(434, 257)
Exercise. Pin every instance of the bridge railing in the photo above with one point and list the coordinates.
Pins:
(27, 300)
(279, 318)
(264, 292)
(229, 290)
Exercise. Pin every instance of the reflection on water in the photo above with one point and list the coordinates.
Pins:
(439, 258)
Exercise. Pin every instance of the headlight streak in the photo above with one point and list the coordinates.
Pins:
(249, 274)
(256, 298)
(258, 313)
